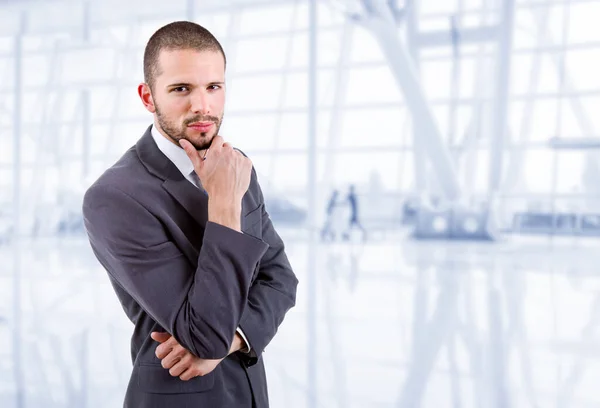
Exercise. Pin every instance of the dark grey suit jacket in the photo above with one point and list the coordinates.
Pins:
(175, 271)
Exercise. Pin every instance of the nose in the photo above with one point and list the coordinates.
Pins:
(200, 103)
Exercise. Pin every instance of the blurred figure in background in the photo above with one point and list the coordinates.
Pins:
(352, 200)
(328, 231)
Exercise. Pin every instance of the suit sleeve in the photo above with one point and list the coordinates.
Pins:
(271, 295)
(201, 307)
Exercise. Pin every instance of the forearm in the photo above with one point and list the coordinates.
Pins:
(213, 308)
(264, 313)
(271, 295)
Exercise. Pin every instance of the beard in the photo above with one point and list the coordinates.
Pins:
(177, 132)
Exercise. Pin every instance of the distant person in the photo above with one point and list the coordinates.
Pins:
(328, 231)
(353, 222)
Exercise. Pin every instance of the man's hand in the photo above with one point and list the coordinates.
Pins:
(225, 175)
(183, 364)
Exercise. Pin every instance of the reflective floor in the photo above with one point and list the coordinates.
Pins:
(398, 323)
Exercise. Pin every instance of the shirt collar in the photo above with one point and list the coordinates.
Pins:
(173, 152)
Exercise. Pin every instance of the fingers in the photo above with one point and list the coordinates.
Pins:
(190, 367)
(217, 142)
(188, 374)
(165, 348)
(191, 152)
(181, 366)
(178, 353)
(160, 337)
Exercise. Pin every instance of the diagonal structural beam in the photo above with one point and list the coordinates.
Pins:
(380, 21)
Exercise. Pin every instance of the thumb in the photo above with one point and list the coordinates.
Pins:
(192, 153)
(160, 337)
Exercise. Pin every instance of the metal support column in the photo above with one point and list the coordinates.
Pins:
(190, 10)
(419, 162)
(17, 137)
(86, 128)
(339, 97)
(500, 104)
(311, 263)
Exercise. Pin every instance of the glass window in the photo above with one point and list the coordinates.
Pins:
(372, 85)
(35, 70)
(99, 138)
(533, 121)
(358, 167)
(406, 171)
(328, 47)
(250, 132)
(266, 20)
(467, 86)
(590, 110)
(292, 131)
(373, 127)
(261, 54)
(534, 73)
(85, 65)
(296, 88)
(537, 171)
(537, 27)
(571, 168)
(570, 123)
(252, 93)
(365, 47)
(6, 141)
(435, 78)
(464, 121)
(299, 51)
(289, 171)
(583, 22)
(473, 170)
(583, 68)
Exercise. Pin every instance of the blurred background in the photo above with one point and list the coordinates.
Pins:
(433, 167)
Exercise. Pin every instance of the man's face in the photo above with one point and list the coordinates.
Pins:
(189, 95)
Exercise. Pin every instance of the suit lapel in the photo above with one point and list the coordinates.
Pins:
(193, 200)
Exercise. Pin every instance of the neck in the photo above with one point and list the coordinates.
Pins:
(163, 134)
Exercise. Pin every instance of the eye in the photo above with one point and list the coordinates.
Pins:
(214, 87)
(180, 89)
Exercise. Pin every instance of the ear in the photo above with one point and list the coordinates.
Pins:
(146, 96)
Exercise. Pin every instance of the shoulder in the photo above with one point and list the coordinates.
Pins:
(123, 181)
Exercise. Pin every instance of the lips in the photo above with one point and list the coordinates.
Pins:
(201, 126)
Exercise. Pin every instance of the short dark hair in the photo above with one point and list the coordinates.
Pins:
(179, 35)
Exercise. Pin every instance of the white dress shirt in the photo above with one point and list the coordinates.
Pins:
(183, 163)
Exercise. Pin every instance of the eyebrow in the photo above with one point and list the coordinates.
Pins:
(177, 85)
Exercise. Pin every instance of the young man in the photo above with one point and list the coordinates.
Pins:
(179, 224)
